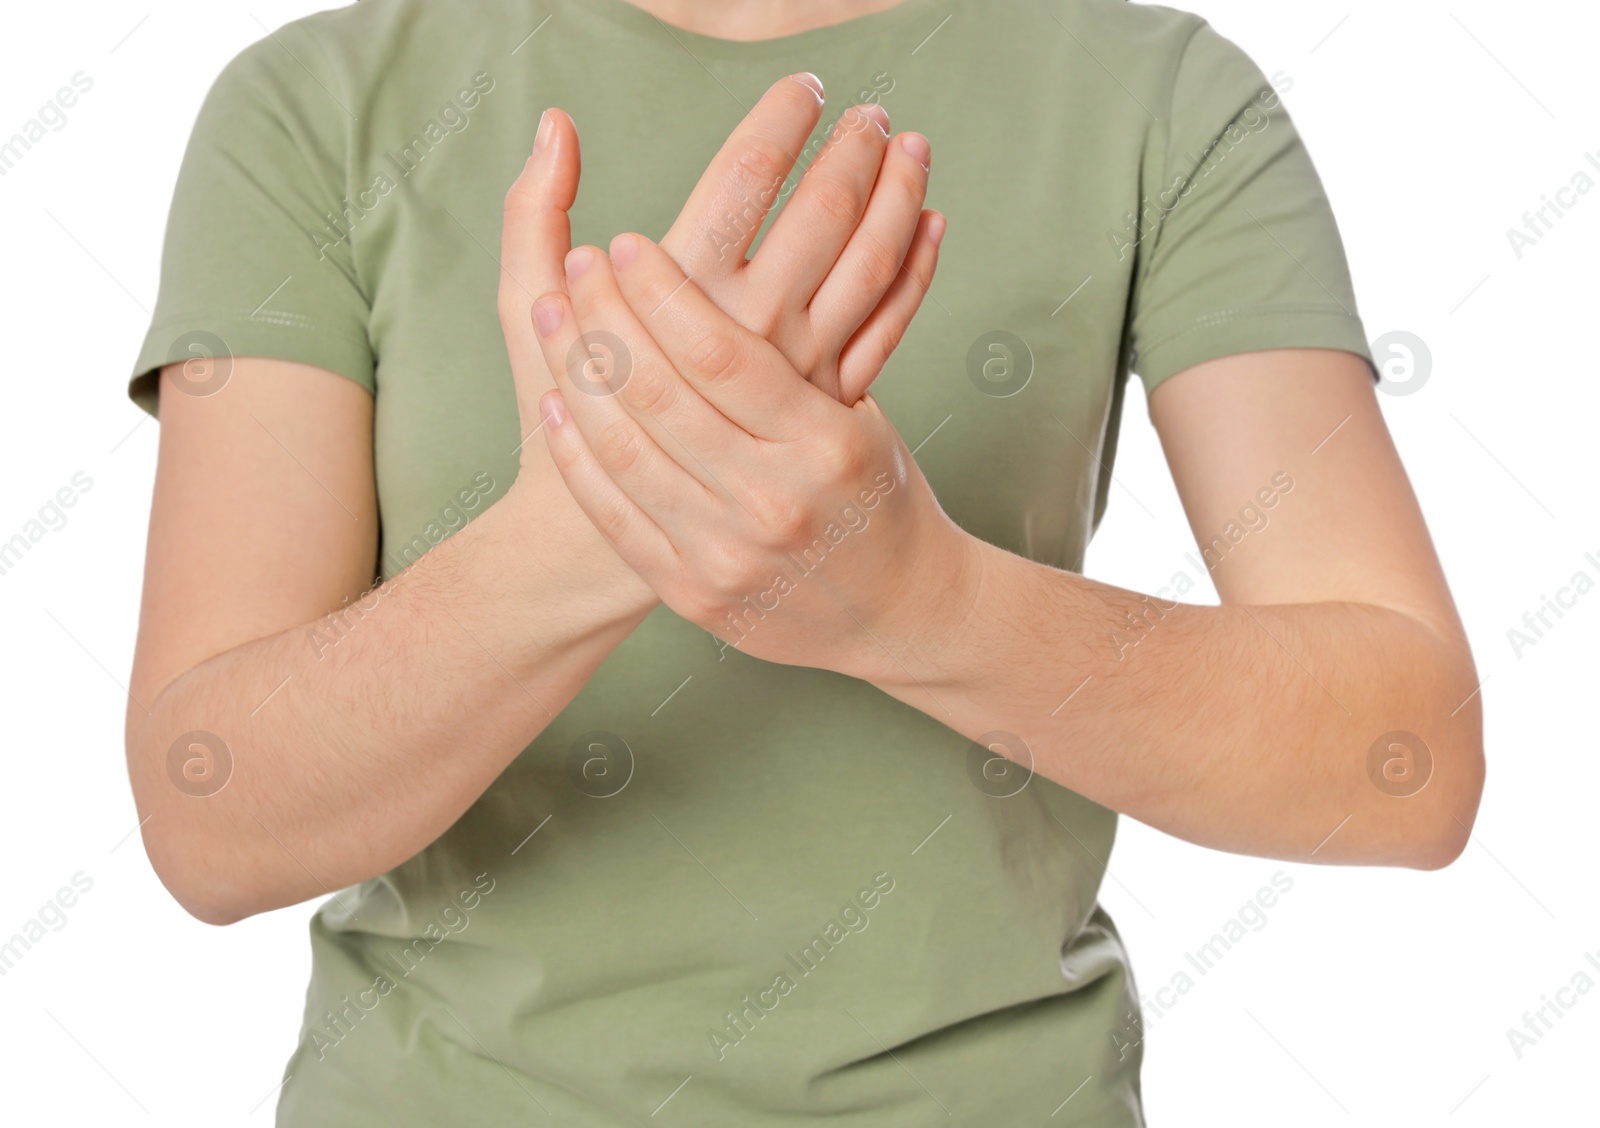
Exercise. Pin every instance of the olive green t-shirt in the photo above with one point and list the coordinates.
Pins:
(716, 890)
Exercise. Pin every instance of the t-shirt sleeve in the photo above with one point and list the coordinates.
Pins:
(1238, 246)
(256, 261)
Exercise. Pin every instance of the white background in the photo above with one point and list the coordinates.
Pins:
(1370, 996)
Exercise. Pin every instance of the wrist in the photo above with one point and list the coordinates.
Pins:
(928, 612)
(556, 560)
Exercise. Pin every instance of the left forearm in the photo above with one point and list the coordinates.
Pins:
(1243, 728)
(802, 531)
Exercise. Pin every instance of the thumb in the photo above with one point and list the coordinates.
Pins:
(535, 238)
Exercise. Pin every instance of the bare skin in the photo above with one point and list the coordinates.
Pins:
(758, 19)
(1246, 726)
(346, 765)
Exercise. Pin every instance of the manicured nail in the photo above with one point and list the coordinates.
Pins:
(917, 145)
(579, 259)
(546, 316)
(936, 228)
(554, 410)
(878, 114)
(624, 249)
(810, 82)
(546, 128)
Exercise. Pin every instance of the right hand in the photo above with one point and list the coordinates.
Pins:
(835, 282)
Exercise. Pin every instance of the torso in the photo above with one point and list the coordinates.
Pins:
(613, 940)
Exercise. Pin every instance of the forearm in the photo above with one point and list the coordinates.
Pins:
(1243, 728)
(357, 740)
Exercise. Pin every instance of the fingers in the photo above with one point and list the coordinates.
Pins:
(588, 369)
(535, 238)
(537, 234)
(871, 261)
(867, 351)
(739, 373)
(713, 233)
(819, 220)
(689, 429)
(635, 536)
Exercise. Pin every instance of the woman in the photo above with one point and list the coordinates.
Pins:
(693, 776)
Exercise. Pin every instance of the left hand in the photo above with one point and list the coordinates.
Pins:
(755, 504)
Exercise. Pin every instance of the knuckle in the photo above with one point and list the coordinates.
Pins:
(845, 457)
(760, 165)
(728, 568)
(714, 357)
(836, 200)
(878, 263)
(784, 518)
(650, 390)
(618, 445)
(613, 518)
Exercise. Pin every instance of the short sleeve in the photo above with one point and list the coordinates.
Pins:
(1238, 246)
(257, 260)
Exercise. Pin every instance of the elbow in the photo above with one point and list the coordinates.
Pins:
(203, 900)
(208, 912)
(1444, 828)
(1436, 821)
(197, 853)
(200, 887)
(1440, 849)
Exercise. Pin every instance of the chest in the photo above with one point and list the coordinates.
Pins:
(1004, 388)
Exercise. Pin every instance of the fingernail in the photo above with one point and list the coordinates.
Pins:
(546, 128)
(546, 316)
(579, 259)
(917, 145)
(878, 114)
(624, 249)
(810, 82)
(554, 410)
(936, 228)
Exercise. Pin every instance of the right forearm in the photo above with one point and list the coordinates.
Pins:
(355, 742)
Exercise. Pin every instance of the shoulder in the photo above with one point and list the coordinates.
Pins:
(1150, 34)
(343, 59)
(1145, 43)
(1132, 52)
(1145, 22)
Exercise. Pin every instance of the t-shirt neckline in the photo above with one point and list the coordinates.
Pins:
(872, 25)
